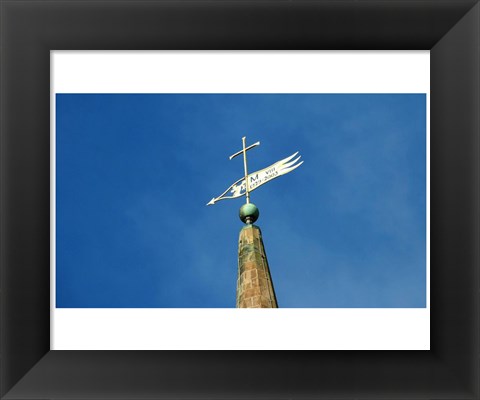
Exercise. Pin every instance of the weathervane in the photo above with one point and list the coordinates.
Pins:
(250, 182)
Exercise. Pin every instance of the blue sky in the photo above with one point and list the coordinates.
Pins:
(134, 173)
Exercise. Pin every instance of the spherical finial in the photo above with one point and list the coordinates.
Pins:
(249, 213)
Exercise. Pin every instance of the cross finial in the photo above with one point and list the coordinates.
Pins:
(244, 152)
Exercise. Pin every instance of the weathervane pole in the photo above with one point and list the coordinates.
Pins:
(247, 192)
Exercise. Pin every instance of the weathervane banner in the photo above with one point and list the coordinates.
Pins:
(258, 178)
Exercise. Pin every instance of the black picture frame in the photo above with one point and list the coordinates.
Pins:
(30, 29)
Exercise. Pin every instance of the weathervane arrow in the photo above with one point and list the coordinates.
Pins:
(249, 182)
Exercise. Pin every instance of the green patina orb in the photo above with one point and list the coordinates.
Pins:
(249, 213)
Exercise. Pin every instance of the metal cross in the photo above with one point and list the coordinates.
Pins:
(244, 152)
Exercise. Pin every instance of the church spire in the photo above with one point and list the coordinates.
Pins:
(254, 282)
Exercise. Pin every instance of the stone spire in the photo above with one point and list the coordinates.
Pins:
(254, 282)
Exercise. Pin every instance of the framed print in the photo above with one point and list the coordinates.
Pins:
(31, 31)
(349, 126)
